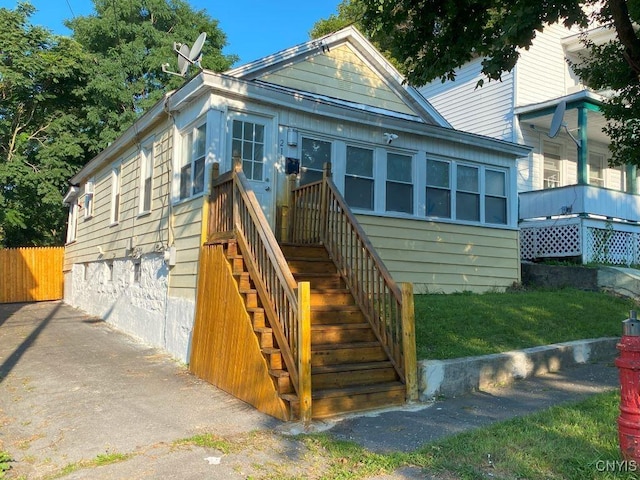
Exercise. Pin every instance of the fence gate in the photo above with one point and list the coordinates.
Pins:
(31, 274)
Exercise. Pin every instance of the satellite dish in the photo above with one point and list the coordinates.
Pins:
(194, 56)
(187, 56)
(183, 59)
(558, 118)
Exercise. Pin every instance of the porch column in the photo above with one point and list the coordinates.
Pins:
(583, 150)
(632, 179)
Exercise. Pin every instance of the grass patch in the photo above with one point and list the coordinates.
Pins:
(207, 440)
(99, 461)
(465, 324)
(5, 463)
(570, 442)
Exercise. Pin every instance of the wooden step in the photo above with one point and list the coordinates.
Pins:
(237, 264)
(250, 297)
(311, 265)
(347, 375)
(243, 280)
(340, 333)
(321, 279)
(330, 402)
(331, 296)
(257, 316)
(282, 381)
(265, 337)
(359, 352)
(332, 314)
(304, 251)
(274, 358)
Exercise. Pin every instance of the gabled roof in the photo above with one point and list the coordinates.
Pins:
(343, 65)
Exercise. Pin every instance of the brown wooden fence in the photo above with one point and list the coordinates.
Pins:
(31, 274)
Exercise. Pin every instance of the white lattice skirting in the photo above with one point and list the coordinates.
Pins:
(594, 241)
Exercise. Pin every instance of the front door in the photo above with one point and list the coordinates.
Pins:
(252, 144)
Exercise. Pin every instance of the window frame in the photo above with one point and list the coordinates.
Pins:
(245, 120)
(72, 222)
(560, 162)
(482, 193)
(116, 195)
(372, 178)
(320, 170)
(147, 166)
(192, 129)
(388, 181)
(89, 199)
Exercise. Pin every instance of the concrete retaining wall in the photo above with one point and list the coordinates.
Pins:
(454, 377)
(560, 276)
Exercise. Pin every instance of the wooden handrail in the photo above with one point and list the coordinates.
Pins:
(235, 211)
(320, 214)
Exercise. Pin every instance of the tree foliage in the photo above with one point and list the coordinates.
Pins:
(64, 99)
(430, 39)
(42, 142)
(128, 41)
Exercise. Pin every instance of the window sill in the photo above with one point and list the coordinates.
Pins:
(179, 201)
(114, 224)
(88, 217)
(146, 213)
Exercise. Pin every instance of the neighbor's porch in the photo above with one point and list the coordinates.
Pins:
(598, 225)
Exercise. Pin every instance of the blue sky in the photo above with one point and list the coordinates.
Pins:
(254, 28)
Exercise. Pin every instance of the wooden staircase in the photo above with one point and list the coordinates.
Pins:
(350, 370)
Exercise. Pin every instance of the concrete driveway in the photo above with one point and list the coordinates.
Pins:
(72, 389)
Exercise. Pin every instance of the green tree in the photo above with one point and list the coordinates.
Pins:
(42, 142)
(430, 39)
(129, 40)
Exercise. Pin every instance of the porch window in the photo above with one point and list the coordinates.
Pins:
(358, 180)
(146, 178)
(438, 189)
(314, 155)
(399, 194)
(467, 193)
(72, 223)
(115, 195)
(193, 159)
(552, 166)
(597, 169)
(247, 144)
(495, 201)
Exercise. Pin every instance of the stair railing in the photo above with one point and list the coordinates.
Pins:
(234, 212)
(320, 214)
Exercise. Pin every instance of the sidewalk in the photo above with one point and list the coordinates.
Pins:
(73, 390)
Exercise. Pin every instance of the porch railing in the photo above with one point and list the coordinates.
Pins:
(319, 214)
(234, 212)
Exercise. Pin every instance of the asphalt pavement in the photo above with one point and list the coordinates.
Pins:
(76, 394)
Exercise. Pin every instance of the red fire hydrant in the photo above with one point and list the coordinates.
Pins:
(628, 364)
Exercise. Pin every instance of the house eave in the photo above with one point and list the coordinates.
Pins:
(544, 108)
(265, 93)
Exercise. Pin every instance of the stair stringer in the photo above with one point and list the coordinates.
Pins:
(225, 349)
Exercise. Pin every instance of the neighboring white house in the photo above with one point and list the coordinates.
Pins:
(439, 205)
(571, 203)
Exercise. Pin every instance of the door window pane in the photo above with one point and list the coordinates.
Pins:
(247, 145)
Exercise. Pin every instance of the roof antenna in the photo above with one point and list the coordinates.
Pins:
(187, 56)
(557, 122)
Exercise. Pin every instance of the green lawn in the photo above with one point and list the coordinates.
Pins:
(460, 325)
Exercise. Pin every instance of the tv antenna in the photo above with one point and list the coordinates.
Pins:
(187, 56)
(557, 122)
